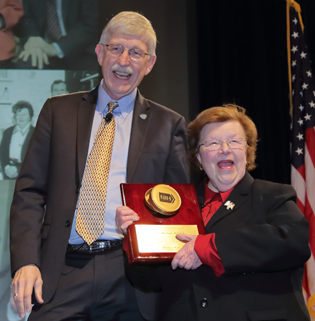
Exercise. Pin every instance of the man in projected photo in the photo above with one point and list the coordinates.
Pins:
(58, 87)
(53, 210)
(58, 34)
(15, 140)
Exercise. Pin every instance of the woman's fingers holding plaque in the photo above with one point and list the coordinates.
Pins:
(186, 257)
(125, 216)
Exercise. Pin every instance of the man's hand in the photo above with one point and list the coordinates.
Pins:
(125, 216)
(39, 50)
(38, 42)
(25, 279)
(186, 257)
(38, 56)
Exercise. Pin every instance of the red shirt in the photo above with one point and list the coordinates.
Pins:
(205, 244)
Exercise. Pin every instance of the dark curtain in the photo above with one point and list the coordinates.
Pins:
(241, 55)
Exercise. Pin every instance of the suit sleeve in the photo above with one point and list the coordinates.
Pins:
(176, 169)
(28, 205)
(276, 240)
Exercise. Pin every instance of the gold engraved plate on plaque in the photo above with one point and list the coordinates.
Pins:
(162, 238)
(163, 199)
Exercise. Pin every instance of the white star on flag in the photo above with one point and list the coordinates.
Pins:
(303, 54)
(300, 121)
(301, 107)
(307, 117)
(299, 151)
(295, 35)
(304, 86)
(300, 136)
(294, 49)
(309, 73)
(312, 104)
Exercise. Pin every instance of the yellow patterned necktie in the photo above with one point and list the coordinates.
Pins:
(90, 222)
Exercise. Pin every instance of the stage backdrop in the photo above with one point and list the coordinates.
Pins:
(209, 52)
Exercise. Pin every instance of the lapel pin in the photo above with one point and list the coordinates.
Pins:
(229, 205)
(143, 116)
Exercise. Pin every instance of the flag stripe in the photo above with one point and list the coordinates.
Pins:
(298, 180)
(310, 134)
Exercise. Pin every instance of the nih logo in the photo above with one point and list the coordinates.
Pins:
(166, 198)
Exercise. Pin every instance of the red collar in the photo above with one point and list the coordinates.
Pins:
(209, 193)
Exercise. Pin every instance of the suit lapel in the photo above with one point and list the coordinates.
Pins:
(238, 196)
(140, 125)
(85, 120)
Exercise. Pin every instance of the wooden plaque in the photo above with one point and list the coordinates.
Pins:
(152, 238)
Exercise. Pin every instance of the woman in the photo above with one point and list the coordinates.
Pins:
(15, 140)
(250, 263)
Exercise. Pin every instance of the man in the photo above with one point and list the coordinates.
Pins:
(58, 34)
(49, 258)
(58, 87)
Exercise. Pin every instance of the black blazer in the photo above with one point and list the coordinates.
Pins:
(263, 244)
(47, 188)
(5, 148)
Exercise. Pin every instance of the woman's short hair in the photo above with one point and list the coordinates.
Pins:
(132, 24)
(21, 105)
(219, 115)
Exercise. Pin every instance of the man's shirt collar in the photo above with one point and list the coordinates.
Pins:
(126, 104)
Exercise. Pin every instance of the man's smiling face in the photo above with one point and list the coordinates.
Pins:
(121, 74)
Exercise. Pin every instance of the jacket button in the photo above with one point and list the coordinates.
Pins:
(68, 223)
(204, 303)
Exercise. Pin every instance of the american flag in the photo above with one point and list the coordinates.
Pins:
(303, 133)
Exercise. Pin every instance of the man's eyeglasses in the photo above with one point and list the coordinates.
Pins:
(134, 53)
(213, 144)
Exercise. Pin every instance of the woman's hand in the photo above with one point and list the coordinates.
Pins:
(186, 257)
(125, 216)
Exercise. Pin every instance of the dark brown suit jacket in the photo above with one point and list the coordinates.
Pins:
(47, 187)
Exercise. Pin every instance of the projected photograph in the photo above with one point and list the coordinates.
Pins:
(65, 40)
